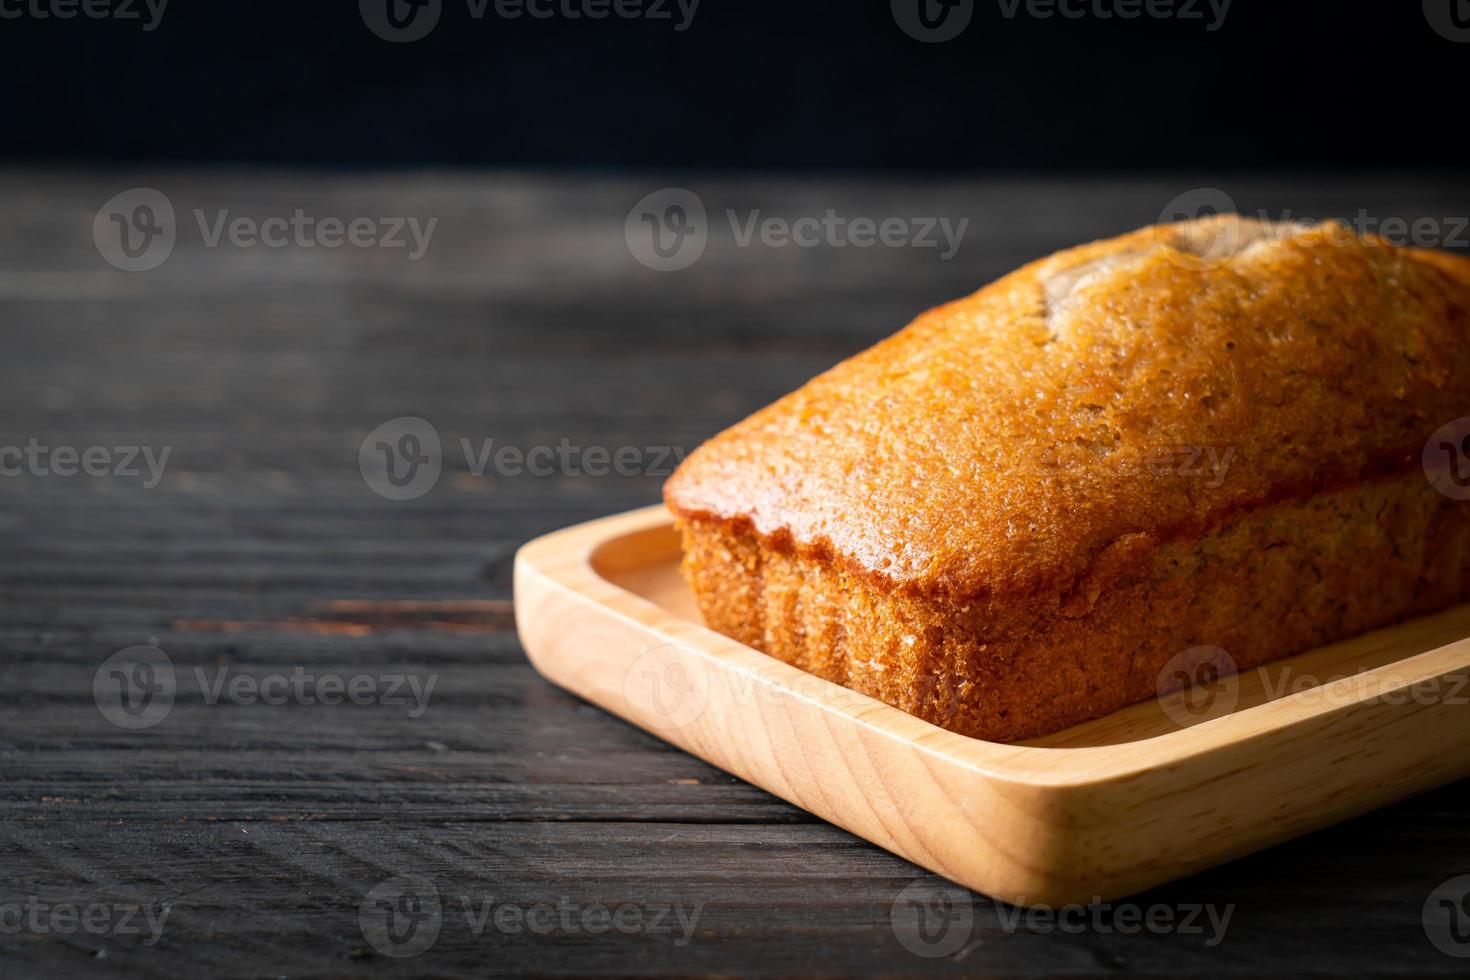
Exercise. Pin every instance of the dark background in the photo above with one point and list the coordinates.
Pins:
(770, 84)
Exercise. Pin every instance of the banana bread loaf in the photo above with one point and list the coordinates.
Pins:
(1009, 516)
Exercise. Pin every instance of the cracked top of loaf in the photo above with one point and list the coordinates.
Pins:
(1099, 402)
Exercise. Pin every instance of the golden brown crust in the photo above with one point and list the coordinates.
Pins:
(1008, 516)
(1001, 443)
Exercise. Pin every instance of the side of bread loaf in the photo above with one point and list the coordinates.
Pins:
(988, 520)
(1280, 581)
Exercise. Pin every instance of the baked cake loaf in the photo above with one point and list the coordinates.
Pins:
(1008, 517)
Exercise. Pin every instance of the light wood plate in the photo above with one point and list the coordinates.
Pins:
(1151, 793)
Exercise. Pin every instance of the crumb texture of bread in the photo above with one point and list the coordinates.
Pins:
(1008, 516)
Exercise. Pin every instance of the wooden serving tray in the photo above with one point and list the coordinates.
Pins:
(1098, 811)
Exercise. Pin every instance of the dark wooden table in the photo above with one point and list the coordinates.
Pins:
(557, 838)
